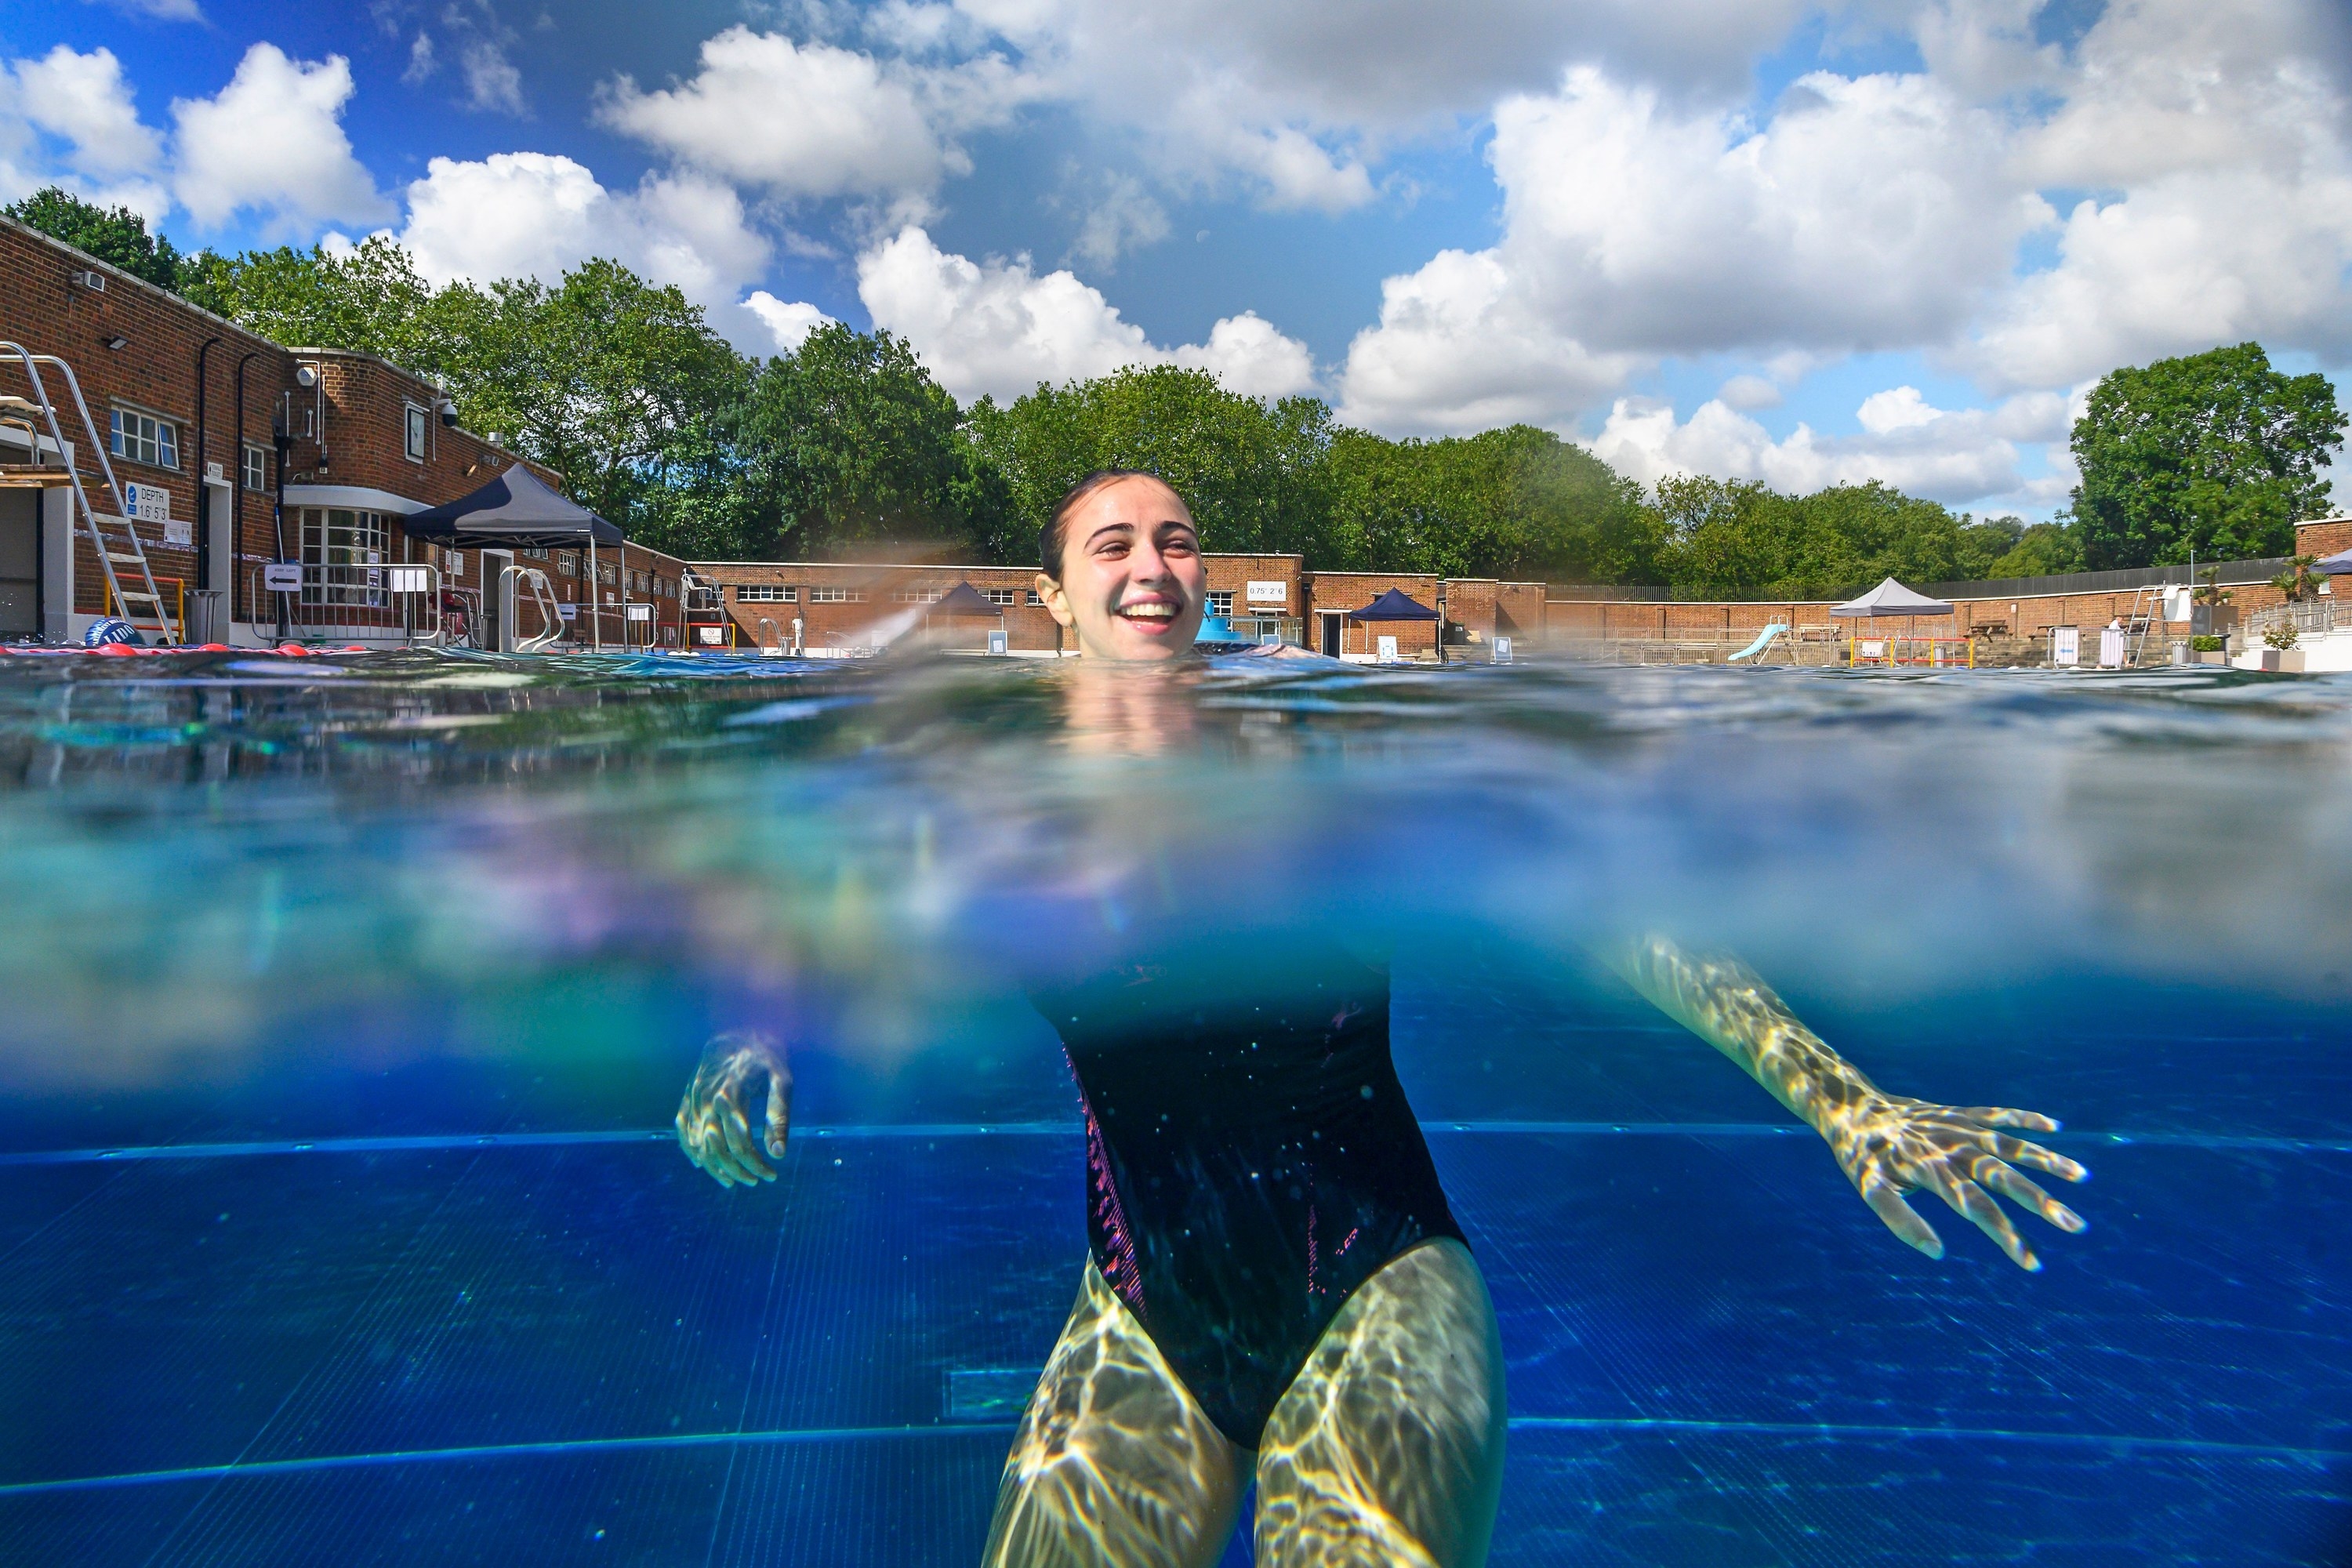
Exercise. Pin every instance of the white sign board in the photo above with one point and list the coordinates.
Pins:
(454, 561)
(569, 612)
(148, 504)
(409, 579)
(1502, 650)
(180, 532)
(713, 635)
(1267, 593)
(2065, 645)
(2111, 647)
(282, 577)
(997, 643)
(641, 612)
(1388, 650)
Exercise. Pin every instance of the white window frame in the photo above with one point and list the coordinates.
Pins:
(567, 561)
(1003, 598)
(150, 446)
(1220, 602)
(836, 596)
(1034, 600)
(766, 593)
(253, 466)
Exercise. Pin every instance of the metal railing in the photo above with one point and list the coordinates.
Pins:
(403, 598)
(2306, 616)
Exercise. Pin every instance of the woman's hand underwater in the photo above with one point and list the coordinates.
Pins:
(1889, 1145)
(713, 1126)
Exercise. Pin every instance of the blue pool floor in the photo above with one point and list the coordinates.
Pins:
(560, 1351)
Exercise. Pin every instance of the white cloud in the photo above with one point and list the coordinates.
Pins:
(1954, 456)
(801, 120)
(1251, 357)
(2223, 142)
(790, 323)
(492, 80)
(1000, 328)
(1124, 218)
(84, 99)
(164, 10)
(70, 120)
(272, 142)
(1459, 348)
(536, 214)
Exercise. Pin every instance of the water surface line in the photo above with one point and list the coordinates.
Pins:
(812, 1437)
(432, 1141)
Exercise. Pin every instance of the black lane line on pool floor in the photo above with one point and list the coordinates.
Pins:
(2315, 1458)
(429, 1143)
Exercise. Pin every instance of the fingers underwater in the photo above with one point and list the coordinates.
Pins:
(1976, 1205)
(2001, 1116)
(2024, 1193)
(738, 1133)
(1902, 1219)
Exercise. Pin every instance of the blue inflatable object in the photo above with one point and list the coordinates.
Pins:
(112, 630)
(1214, 629)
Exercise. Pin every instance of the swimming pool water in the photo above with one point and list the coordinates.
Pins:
(340, 1221)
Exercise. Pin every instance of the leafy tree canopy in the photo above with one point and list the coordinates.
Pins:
(2215, 453)
(116, 236)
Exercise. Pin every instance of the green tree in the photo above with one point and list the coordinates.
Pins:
(1252, 472)
(2299, 582)
(2041, 551)
(1737, 538)
(2215, 453)
(116, 236)
(849, 443)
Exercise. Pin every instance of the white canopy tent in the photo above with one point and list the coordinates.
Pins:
(1892, 601)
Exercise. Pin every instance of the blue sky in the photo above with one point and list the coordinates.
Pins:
(1761, 239)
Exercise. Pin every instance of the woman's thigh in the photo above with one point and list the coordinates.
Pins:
(1114, 1466)
(1387, 1448)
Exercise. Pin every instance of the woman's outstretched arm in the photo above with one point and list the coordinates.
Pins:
(1886, 1144)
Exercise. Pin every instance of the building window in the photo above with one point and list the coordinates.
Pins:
(534, 553)
(415, 432)
(254, 469)
(1000, 595)
(568, 563)
(836, 596)
(343, 551)
(1221, 604)
(917, 596)
(766, 593)
(145, 439)
(607, 574)
(1034, 598)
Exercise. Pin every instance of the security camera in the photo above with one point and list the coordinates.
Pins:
(448, 413)
(306, 377)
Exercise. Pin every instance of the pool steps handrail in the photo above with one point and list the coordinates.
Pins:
(112, 551)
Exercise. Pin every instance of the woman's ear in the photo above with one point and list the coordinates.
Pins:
(1057, 603)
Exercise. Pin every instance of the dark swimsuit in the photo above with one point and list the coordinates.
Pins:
(1250, 1156)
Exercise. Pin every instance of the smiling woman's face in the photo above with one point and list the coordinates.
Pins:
(1133, 583)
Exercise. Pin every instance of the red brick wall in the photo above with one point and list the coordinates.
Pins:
(1353, 591)
(2324, 537)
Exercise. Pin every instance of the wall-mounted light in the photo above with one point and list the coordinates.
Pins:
(118, 343)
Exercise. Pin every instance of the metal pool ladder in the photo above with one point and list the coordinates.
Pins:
(113, 550)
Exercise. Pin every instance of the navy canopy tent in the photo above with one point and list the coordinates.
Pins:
(516, 508)
(2336, 565)
(1393, 606)
(964, 599)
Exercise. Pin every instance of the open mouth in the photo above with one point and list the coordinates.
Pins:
(1149, 615)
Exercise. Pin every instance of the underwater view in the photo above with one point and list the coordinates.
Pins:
(358, 1008)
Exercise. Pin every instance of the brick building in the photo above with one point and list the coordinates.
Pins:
(186, 406)
(825, 607)
(2022, 608)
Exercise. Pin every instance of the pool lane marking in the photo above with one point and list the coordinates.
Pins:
(1635, 1424)
(430, 1142)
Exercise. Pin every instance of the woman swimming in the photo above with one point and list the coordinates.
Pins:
(1275, 1283)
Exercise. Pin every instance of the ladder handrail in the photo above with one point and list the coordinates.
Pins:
(154, 596)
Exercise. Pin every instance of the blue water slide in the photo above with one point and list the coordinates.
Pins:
(1763, 640)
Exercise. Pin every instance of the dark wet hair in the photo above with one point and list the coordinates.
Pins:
(1050, 540)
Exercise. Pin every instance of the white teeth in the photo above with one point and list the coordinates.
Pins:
(1150, 612)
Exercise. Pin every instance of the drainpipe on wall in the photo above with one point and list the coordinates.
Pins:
(237, 494)
(204, 490)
